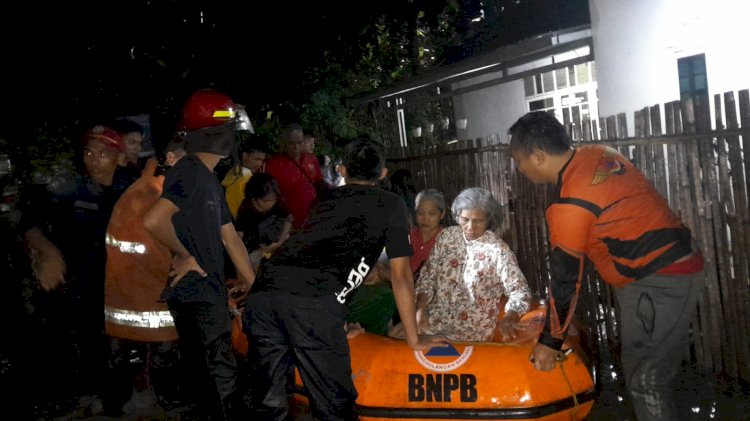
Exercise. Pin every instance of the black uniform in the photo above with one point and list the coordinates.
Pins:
(295, 313)
(73, 213)
(199, 304)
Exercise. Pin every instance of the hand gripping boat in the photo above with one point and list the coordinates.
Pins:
(467, 381)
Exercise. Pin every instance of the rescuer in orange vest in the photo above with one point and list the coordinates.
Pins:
(138, 324)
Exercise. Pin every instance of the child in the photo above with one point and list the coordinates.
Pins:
(262, 222)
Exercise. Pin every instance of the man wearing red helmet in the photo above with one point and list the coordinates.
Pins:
(192, 219)
(64, 227)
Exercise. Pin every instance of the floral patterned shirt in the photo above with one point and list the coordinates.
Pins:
(465, 280)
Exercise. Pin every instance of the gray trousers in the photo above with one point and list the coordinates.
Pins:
(655, 316)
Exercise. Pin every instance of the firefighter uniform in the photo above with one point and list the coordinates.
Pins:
(136, 321)
(137, 267)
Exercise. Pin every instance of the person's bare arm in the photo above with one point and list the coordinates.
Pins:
(402, 282)
(422, 300)
(48, 263)
(158, 221)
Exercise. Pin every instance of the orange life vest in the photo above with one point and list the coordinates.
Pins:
(137, 267)
(607, 210)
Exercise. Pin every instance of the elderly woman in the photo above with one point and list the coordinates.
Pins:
(430, 210)
(468, 272)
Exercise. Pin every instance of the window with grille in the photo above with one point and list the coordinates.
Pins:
(569, 93)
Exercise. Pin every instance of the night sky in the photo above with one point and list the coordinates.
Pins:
(71, 64)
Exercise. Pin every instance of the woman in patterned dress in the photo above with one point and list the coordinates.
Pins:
(467, 274)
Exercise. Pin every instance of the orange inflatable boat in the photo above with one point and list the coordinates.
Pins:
(466, 381)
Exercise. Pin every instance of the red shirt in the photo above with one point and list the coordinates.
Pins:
(298, 189)
(420, 247)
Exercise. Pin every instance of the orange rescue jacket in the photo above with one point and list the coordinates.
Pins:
(137, 267)
(606, 210)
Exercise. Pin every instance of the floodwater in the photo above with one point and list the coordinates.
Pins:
(699, 397)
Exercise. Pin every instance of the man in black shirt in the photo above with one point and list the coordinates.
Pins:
(192, 219)
(295, 314)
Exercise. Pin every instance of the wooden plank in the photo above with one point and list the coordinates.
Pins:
(612, 128)
(736, 216)
(671, 155)
(692, 186)
(688, 197)
(744, 96)
(586, 129)
(658, 150)
(541, 198)
(622, 126)
(722, 201)
(639, 123)
(642, 158)
(710, 183)
(522, 214)
(708, 344)
(603, 133)
(744, 115)
(683, 210)
(655, 121)
(702, 110)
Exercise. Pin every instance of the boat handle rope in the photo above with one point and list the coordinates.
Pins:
(560, 358)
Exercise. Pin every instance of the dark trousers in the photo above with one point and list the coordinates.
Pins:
(137, 365)
(287, 331)
(72, 318)
(205, 332)
(655, 316)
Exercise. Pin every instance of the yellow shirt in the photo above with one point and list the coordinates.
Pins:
(234, 186)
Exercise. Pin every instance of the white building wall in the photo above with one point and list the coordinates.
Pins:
(637, 44)
(490, 110)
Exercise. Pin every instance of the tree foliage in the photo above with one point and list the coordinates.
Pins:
(405, 38)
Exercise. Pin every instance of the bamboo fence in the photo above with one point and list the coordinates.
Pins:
(702, 172)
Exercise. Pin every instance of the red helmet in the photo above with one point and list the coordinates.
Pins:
(207, 108)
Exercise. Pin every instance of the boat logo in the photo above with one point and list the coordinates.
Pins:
(444, 359)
